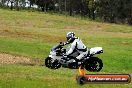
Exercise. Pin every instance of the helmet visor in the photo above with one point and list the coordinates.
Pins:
(68, 38)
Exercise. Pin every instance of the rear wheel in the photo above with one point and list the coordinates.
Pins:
(94, 64)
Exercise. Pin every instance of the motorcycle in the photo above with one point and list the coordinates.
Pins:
(89, 62)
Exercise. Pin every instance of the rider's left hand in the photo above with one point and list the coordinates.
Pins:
(65, 56)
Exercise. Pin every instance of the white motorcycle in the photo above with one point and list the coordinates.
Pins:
(89, 62)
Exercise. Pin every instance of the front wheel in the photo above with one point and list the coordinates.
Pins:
(52, 64)
(94, 64)
(55, 65)
(48, 62)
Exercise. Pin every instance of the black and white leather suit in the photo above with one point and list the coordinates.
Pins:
(78, 45)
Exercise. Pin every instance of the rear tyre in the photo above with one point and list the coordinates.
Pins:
(94, 64)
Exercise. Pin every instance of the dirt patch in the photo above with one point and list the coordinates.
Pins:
(31, 35)
(12, 59)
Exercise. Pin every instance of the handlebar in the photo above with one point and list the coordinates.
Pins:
(63, 44)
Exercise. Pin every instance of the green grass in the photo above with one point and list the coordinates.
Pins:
(14, 76)
(25, 48)
(32, 34)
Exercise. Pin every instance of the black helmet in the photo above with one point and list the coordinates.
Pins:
(70, 36)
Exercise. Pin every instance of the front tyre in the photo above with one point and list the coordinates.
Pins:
(48, 62)
(94, 64)
(55, 64)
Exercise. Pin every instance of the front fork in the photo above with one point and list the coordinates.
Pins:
(55, 58)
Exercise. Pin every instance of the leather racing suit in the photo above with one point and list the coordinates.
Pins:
(78, 45)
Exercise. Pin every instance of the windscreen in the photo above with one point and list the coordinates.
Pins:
(55, 47)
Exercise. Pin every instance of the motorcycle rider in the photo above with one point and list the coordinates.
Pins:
(76, 45)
